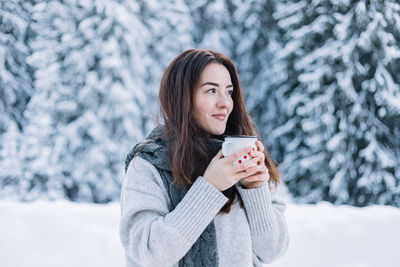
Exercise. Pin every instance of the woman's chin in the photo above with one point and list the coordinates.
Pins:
(217, 131)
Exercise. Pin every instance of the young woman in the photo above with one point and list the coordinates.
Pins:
(182, 202)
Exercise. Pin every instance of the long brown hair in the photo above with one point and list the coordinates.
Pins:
(188, 152)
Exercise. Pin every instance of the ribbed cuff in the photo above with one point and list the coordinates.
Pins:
(258, 205)
(196, 210)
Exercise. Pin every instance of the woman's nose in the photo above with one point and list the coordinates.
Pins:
(222, 101)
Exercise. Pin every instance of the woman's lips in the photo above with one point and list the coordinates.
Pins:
(220, 117)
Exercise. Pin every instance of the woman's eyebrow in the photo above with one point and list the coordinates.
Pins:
(214, 84)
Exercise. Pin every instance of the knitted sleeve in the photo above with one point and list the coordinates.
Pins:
(151, 235)
(267, 222)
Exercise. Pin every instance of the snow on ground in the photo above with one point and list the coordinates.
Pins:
(65, 234)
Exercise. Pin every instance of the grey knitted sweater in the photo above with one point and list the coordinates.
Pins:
(152, 235)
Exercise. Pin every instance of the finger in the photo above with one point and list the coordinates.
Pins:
(243, 174)
(243, 166)
(259, 154)
(258, 168)
(260, 146)
(256, 178)
(253, 153)
(262, 159)
(238, 154)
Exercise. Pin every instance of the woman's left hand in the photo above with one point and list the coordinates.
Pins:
(260, 177)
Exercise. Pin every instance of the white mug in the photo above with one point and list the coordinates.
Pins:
(232, 144)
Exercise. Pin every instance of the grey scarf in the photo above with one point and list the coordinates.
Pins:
(204, 251)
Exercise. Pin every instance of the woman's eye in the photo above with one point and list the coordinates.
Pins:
(211, 90)
(230, 92)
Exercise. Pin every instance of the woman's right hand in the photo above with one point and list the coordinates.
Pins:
(221, 172)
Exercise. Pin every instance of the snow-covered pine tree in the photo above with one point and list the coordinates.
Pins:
(15, 74)
(170, 29)
(342, 100)
(89, 104)
(16, 87)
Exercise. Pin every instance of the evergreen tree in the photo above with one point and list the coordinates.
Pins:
(88, 105)
(326, 102)
(98, 68)
(169, 32)
(16, 86)
(341, 100)
(15, 74)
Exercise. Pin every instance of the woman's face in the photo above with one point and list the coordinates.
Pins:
(213, 99)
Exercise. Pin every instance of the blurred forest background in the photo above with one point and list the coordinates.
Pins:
(79, 83)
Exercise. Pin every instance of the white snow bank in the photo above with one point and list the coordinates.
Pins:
(64, 234)
(324, 235)
(59, 234)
